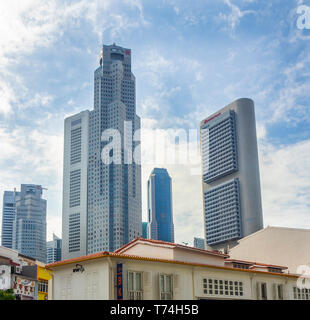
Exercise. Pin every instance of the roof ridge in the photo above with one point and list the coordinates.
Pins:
(215, 252)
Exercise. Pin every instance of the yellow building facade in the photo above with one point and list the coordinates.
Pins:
(43, 276)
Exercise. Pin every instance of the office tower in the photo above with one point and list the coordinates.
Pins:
(160, 215)
(101, 201)
(199, 243)
(231, 182)
(144, 230)
(8, 214)
(29, 226)
(53, 250)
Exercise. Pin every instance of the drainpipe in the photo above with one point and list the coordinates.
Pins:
(111, 282)
(251, 277)
(53, 285)
(193, 283)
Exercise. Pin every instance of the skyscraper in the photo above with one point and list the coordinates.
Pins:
(199, 243)
(8, 214)
(144, 230)
(29, 226)
(102, 201)
(53, 250)
(231, 182)
(160, 216)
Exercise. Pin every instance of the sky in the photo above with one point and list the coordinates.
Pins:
(190, 58)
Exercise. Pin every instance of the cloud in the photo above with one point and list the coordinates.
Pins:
(7, 97)
(178, 84)
(235, 15)
(285, 181)
(291, 100)
(31, 24)
(33, 157)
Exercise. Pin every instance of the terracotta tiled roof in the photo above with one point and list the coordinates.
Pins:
(256, 264)
(176, 245)
(119, 254)
(72, 260)
(106, 254)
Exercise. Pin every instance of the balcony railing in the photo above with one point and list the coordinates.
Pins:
(135, 295)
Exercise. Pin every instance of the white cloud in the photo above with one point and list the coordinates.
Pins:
(6, 97)
(287, 105)
(33, 157)
(31, 24)
(234, 17)
(285, 173)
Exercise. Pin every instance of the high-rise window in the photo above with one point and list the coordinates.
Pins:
(231, 186)
(75, 188)
(107, 196)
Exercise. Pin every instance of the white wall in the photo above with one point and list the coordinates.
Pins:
(197, 257)
(150, 250)
(92, 284)
(99, 279)
(279, 246)
(5, 277)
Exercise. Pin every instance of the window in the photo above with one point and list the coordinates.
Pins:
(219, 287)
(278, 291)
(275, 270)
(76, 146)
(240, 266)
(74, 232)
(301, 294)
(43, 286)
(135, 285)
(165, 286)
(264, 291)
(75, 188)
(261, 291)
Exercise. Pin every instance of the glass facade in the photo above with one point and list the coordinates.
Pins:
(219, 147)
(220, 159)
(160, 214)
(199, 243)
(29, 226)
(107, 197)
(144, 230)
(53, 250)
(8, 215)
(114, 191)
(222, 212)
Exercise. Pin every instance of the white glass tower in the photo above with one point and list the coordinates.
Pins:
(102, 202)
(231, 181)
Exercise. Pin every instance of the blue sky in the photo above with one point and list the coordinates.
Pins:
(190, 58)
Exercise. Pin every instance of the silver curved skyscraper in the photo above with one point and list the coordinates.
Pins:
(231, 181)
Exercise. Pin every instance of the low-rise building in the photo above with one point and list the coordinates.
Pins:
(43, 276)
(146, 269)
(276, 245)
(26, 276)
(24, 283)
